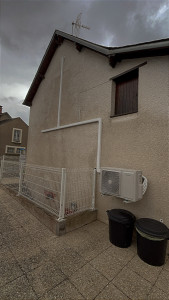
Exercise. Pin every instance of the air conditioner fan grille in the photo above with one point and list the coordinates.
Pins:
(110, 182)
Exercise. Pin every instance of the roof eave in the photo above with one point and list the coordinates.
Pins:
(119, 55)
(114, 54)
(54, 43)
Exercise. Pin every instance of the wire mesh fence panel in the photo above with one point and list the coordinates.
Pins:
(41, 185)
(61, 191)
(11, 157)
(22, 158)
(10, 174)
(79, 190)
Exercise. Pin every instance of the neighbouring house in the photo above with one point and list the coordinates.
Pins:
(93, 106)
(13, 135)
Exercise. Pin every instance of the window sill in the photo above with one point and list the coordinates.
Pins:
(16, 142)
(14, 154)
(127, 114)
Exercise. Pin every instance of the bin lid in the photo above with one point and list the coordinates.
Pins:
(152, 227)
(121, 215)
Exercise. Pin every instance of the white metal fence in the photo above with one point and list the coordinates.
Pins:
(9, 174)
(42, 185)
(11, 157)
(10, 170)
(58, 190)
(80, 190)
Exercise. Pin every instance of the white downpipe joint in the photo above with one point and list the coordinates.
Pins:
(99, 120)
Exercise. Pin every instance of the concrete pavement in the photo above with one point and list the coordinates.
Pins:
(83, 264)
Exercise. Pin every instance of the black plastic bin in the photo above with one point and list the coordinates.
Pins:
(152, 238)
(121, 225)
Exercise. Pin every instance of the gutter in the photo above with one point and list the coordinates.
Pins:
(141, 47)
(157, 44)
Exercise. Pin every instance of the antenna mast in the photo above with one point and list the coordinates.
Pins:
(77, 25)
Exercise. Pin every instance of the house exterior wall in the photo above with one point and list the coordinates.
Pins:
(6, 129)
(137, 141)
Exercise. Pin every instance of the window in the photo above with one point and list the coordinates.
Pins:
(10, 150)
(15, 150)
(20, 150)
(126, 94)
(17, 135)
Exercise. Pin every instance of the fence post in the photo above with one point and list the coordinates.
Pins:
(62, 195)
(94, 189)
(20, 178)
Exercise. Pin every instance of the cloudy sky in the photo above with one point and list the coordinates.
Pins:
(26, 27)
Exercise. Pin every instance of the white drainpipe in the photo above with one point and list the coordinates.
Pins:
(99, 120)
(60, 90)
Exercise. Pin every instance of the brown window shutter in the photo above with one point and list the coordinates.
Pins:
(126, 97)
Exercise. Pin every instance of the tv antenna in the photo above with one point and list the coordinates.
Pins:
(77, 25)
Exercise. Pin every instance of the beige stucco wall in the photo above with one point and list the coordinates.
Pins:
(137, 141)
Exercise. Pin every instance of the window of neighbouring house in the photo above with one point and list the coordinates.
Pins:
(17, 135)
(20, 150)
(125, 100)
(15, 150)
(10, 150)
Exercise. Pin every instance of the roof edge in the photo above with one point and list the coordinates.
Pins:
(115, 54)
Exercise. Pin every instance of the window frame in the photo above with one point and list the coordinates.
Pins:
(13, 132)
(126, 95)
(15, 149)
(20, 148)
(124, 77)
(8, 146)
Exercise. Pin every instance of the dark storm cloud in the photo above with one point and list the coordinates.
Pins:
(27, 27)
(128, 21)
(15, 108)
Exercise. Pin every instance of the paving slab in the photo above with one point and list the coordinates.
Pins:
(2, 242)
(35, 264)
(111, 261)
(166, 266)
(16, 237)
(45, 277)
(93, 246)
(8, 223)
(88, 245)
(39, 235)
(96, 228)
(163, 281)
(157, 294)
(132, 285)
(9, 267)
(88, 281)
(29, 258)
(65, 290)
(66, 258)
(148, 272)
(19, 289)
(111, 292)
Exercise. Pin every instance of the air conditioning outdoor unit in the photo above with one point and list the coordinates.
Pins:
(123, 183)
